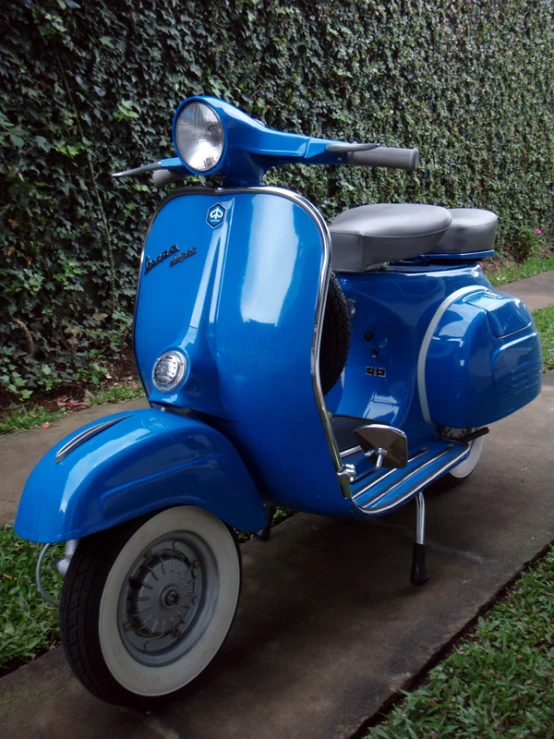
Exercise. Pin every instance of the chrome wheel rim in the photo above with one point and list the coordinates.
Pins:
(167, 598)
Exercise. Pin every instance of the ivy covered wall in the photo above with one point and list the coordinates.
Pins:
(90, 88)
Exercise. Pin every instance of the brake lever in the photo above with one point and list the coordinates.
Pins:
(138, 170)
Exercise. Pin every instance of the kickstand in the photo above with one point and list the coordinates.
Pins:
(263, 534)
(419, 574)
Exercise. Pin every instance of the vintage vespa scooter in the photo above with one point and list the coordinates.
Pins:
(272, 380)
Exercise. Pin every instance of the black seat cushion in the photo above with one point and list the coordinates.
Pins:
(471, 230)
(385, 232)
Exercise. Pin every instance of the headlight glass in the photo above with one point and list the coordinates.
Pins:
(169, 371)
(199, 136)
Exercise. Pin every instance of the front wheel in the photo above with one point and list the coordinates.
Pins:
(146, 606)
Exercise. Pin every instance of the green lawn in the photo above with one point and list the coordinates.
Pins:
(512, 271)
(497, 683)
(28, 626)
(544, 321)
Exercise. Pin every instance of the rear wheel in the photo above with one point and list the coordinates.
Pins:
(146, 606)
(462, 471)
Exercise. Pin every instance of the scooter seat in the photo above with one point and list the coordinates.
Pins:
(385, 232)
(471, 230)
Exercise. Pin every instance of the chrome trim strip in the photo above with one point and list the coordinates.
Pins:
(310, 208)
(414, 489)
(425, 344)
(85, 435)
(383, 474)
(410, 474)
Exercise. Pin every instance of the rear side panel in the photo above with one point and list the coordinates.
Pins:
(435, 347)
(483, 362)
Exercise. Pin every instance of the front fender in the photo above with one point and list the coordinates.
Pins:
(142, 461)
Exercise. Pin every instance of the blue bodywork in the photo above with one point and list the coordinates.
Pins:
(236, 280)
(242, 310)
(146, 461)
(251, 148)
(481, 361)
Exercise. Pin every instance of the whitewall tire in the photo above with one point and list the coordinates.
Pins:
(465, 468)
(145, 607)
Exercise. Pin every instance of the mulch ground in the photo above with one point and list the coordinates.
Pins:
(75, 396)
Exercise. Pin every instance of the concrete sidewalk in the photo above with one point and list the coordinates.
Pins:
(328, 626)
(536, 292)
(20, 452)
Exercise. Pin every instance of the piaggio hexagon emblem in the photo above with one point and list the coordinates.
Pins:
(216, 215)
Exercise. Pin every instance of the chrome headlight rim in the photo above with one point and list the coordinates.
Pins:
(163, 364)
(219, 120)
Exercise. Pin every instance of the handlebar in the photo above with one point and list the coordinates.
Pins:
(385, 157)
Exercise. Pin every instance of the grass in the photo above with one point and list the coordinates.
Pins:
(29, 626)
(511, 271)
(544, 321)
(499, 682)
(19, 418)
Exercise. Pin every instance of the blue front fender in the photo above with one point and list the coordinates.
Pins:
(143, 461)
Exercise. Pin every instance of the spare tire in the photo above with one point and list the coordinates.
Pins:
(335, 340)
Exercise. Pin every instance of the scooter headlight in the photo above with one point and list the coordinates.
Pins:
(199, 136)
(169, 371)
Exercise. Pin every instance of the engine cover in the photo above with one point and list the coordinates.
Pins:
(480, 360)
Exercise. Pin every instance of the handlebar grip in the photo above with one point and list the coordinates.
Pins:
(163, 177)
(385, 157)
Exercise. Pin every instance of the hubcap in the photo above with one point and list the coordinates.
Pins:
(166, 600)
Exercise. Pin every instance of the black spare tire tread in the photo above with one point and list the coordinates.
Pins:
(335, 340)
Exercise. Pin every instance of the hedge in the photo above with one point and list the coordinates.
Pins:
(90, 88)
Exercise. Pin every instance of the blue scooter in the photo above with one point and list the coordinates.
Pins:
(338, 370)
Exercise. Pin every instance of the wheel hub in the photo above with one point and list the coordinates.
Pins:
(171, 598)
(164, 590)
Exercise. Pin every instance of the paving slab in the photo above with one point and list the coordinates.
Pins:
(329, 627)
(20, 452)
(536, 292)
